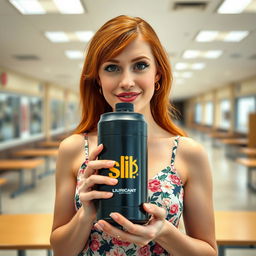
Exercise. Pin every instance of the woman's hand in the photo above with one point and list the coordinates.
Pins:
(134, 233)
(91, 178)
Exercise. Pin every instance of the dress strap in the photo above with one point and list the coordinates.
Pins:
(174, 149)
(86, 146)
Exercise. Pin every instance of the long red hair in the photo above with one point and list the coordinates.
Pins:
(107, 43)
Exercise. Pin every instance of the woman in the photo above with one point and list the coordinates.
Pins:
(126, 63)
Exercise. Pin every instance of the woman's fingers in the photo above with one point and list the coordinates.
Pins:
(91, 195)
(94, 165)
(156, 211)
(93, 180)
(94, 154)
(123, 235)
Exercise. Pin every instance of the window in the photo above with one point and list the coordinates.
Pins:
(225, 114)
(209, 113)
(244, 107)
(20, 117)
(57, 115)
(9, 117)
(198, 113)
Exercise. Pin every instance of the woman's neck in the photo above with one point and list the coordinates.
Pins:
(154, 130)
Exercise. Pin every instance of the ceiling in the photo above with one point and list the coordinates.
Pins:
(177, 29)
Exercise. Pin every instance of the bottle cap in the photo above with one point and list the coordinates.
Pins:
(126, 107)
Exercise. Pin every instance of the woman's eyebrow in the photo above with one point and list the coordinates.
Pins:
(133, 60)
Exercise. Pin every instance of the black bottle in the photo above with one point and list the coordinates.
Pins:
(124, 136)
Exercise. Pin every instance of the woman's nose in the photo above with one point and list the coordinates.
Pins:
(127, 80)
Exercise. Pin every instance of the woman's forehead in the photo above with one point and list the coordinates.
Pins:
(136, 48)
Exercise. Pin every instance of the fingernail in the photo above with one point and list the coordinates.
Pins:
(113, 181)
(113, 216)
(148, 206)
(99, 226)
(111, 163)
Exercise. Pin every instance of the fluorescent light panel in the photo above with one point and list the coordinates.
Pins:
(69, 6)
(182, 74)
(28, 7)
(84, 36)
(212, 35)
(194, 66)
(198, 66)
(72, 54)
(236, 36)
(233, 6)
(62, 37)
(57, 36)
(192, 54)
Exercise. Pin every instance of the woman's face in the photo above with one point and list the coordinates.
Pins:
(130, 76)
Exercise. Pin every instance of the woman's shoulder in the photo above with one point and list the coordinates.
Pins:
(191, 149)
(72, 144)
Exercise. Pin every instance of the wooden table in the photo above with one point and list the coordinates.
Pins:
(2, 182)
(22, 165)
(219, 135)
(250, 163)
(232, 146)
(42, 152)
(235, 228)
(235, 141)
(25, 231)
(32, 231)
(49, 143)
(250, 152)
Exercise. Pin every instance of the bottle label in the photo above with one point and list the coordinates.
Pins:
(126, 168)
(126, 191)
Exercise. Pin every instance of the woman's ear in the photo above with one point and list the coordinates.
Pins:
(98, 81)
(157, 77)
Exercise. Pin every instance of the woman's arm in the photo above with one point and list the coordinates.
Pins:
(198, 212)
(71, 229)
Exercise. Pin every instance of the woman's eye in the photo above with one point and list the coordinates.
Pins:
(140, 66)
(111, 68)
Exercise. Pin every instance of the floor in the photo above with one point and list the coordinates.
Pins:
(229, 180)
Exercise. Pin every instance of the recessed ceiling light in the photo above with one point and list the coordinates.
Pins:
(206, 36)
(182, 74)
(61, 36)
(57, 36)
(28, 6)
(192, 54)
(236, 36)
(48, 6)
(181, 66)
(213, 54)
(198, 66)
(233, 6)
(226, 36)
(194, 66)
(72, 54)
(84, 36)
(69, 6)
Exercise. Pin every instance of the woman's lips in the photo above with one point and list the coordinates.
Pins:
(128, 96)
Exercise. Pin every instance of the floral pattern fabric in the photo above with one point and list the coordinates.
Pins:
(165, 190)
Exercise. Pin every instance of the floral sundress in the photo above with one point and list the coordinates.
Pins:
(165, 189)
